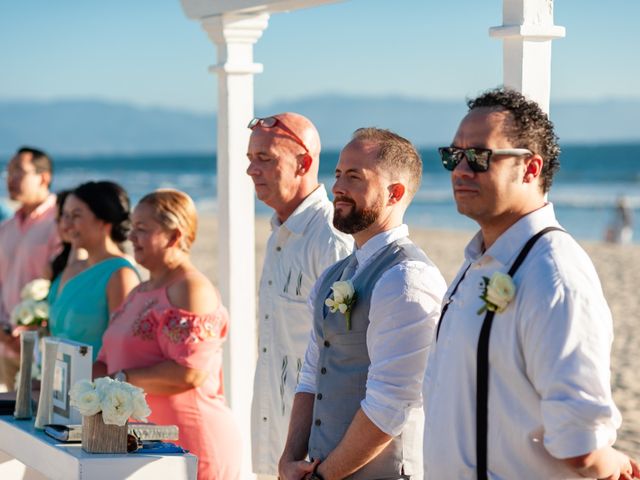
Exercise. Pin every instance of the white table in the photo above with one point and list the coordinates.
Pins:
(29, 454)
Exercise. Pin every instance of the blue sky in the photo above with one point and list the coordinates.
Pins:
(148, 53)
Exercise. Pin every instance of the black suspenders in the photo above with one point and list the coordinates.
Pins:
(482, 372)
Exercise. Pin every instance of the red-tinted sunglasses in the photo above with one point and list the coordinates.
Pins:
(271, 122)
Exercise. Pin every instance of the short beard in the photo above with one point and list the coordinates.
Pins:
(357, 220)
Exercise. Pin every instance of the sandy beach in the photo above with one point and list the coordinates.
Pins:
(619, 270)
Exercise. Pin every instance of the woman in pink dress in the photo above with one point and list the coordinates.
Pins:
(167, 337)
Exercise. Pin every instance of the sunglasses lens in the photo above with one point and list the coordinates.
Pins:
(478, 159)
(268, 122)
(449, 158)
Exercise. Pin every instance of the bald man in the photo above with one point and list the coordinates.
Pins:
(284, 156)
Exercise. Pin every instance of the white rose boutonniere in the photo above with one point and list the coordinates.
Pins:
(497, 292)
(342, 299)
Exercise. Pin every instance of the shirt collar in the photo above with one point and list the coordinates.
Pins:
(377, 242)
(513, 239)
(301, 216)
(39, 210)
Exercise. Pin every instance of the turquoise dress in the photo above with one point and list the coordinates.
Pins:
(80, 311)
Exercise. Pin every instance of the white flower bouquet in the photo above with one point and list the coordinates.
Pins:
(33, 310)
(118, 401)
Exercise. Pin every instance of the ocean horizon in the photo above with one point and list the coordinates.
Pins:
(591, 180)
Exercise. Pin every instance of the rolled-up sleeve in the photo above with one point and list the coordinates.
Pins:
(405, 307)
(307, 381)
(567, 355)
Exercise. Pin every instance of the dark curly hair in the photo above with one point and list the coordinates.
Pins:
(110, 203)
(531, 127)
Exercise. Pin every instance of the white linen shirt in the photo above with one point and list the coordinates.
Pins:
(297, 252)
(404, 310)
(549, 380)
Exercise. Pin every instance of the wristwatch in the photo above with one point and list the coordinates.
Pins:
(120, 376)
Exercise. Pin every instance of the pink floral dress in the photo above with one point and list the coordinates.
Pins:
(147, 330)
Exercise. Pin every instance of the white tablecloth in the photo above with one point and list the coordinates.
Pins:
(27, 453)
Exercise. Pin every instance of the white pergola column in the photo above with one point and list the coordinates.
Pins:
(527, 32)
(234, 35)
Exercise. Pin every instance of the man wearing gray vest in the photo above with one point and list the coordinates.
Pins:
(356, 413)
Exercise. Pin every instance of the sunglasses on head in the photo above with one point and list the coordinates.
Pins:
(271, 122)
(477, 158)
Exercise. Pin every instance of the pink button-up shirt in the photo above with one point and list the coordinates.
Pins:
(27, 244)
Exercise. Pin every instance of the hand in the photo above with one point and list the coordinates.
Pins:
(628, 468)
(295, 469)
(10, 339)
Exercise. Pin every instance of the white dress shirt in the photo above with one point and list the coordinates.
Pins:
(404, 310)
(297, 252)
(549, 380)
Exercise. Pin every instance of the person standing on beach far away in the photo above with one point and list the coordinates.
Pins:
(284, 155)
(357, 411)
(28, 241)
(518, 380)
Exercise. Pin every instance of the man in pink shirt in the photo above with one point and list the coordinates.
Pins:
(27, 243)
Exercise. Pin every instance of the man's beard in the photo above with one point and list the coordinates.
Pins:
(356, 220)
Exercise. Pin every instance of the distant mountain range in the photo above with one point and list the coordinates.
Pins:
(83, 127)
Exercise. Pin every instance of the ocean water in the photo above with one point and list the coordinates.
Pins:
(584, 193)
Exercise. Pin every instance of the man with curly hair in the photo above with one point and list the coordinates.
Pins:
(518, 380)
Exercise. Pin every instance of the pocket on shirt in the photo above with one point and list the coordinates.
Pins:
(293, 324)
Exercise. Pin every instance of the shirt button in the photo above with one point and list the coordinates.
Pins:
(318, 422)
(319, 396)
(278, 249)
(266, 317)
(264, 419)
(323, 370)
(269, 282)
(264, 349)
(326, 343)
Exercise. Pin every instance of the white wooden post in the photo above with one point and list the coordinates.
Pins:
(527, 32)
(234, 36)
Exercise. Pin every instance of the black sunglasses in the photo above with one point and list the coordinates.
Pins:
(477, 158)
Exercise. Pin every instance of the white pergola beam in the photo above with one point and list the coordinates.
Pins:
(527, 32)
(198, 9)
(234, 36)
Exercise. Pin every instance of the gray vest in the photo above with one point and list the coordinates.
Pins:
(344, 362)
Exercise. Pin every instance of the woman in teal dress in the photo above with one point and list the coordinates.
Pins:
(82, 298)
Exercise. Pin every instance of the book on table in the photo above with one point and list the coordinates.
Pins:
(143, 432)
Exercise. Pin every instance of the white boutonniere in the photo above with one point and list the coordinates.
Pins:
(342, 299)
(497, 292)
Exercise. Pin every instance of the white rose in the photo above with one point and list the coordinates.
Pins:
(141, 409)
(117, 405)
(80, 387)
(25, 314)
(36, 289)
(342, 290)
(41, 310)
(84, 397)
(88, 403)
(103, 384)
(500, 290)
